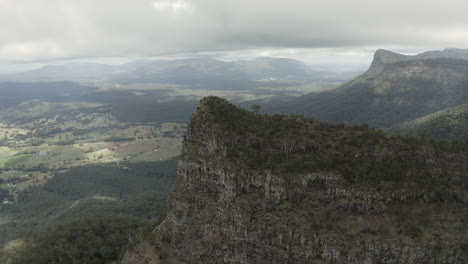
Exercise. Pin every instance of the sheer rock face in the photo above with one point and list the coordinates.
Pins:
(222, 211)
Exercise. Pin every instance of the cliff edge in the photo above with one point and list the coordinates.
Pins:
(286, 189)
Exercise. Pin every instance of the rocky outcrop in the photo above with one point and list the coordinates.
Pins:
(224, 208)
(382, 56)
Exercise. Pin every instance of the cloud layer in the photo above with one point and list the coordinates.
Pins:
(57, 29)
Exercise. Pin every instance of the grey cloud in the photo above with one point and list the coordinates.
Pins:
(57, 29)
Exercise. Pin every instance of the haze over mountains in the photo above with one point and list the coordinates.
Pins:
(396, 88)
(176, 71)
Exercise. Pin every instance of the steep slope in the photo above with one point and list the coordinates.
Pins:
(450, 123)
(396, 88)
(286, 189)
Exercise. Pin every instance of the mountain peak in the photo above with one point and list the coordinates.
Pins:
(207, 105)
(382, 56)
(216, 111)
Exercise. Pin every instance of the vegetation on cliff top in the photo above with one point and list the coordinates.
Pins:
(291, 144)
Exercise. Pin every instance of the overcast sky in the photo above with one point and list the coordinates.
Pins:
(316, 31)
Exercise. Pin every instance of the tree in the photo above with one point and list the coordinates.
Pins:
(256, 108)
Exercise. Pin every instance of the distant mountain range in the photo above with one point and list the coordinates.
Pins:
(176, 71)
(398, 92)
(395, 89)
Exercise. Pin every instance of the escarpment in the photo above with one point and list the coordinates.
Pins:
(396, 89)
(286, 189)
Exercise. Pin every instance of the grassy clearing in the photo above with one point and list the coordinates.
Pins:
(36, 179)
(17, 160)
(4, 160)
(13, 161)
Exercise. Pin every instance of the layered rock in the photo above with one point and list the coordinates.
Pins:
(285, 189)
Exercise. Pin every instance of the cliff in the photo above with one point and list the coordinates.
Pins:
(287, 189)
(395, 89)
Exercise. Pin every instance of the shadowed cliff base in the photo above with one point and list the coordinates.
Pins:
(287, 189)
